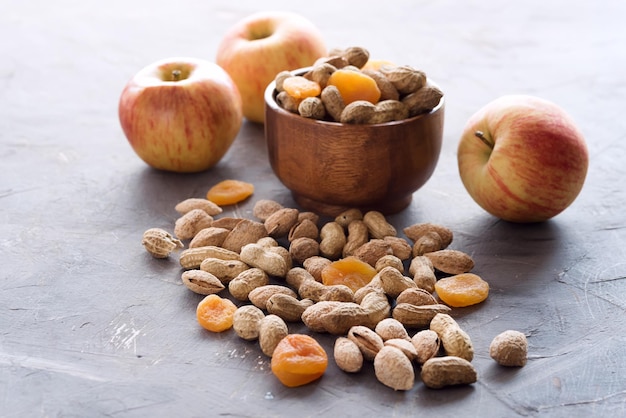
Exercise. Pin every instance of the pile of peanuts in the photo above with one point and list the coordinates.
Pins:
(345, 88)
(277, 284)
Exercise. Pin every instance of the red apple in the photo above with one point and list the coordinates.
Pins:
(181, 114)
(522, 158)
(260, 46)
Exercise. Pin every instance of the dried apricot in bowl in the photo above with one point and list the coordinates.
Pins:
(354, 85)
(298, 359)
(462, 290)
(215, 313)
(349, 271)
(300, 87)
(229, 192)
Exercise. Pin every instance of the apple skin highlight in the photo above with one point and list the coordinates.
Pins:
(537, 165)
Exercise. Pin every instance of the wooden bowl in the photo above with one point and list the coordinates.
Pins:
(330, 167)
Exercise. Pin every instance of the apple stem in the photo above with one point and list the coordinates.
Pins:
(482, 137)
(176, 75)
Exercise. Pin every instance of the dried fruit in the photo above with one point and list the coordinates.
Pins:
(300, 87)
(356, 90)
(298, 359)
(215, 313)
(349, 271)
(229, 192)
(354, 85)
(351, 296)
(377, 64)
(462, 290)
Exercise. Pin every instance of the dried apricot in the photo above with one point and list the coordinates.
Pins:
(376, 64)
(349, 271)
(298, 359)
(299, 87)
(215, 313)
(355, 85)
(229, 192)
(462, 290)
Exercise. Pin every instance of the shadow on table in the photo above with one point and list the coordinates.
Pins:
(157, 191)
(512, 249)
(518, 259)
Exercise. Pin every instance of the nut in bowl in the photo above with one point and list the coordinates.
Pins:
(330, 166)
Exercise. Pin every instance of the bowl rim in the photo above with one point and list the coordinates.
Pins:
(270, 100)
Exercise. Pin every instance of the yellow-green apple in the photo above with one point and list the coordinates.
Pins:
(181, 114)
(522, 158)
(260, 46)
